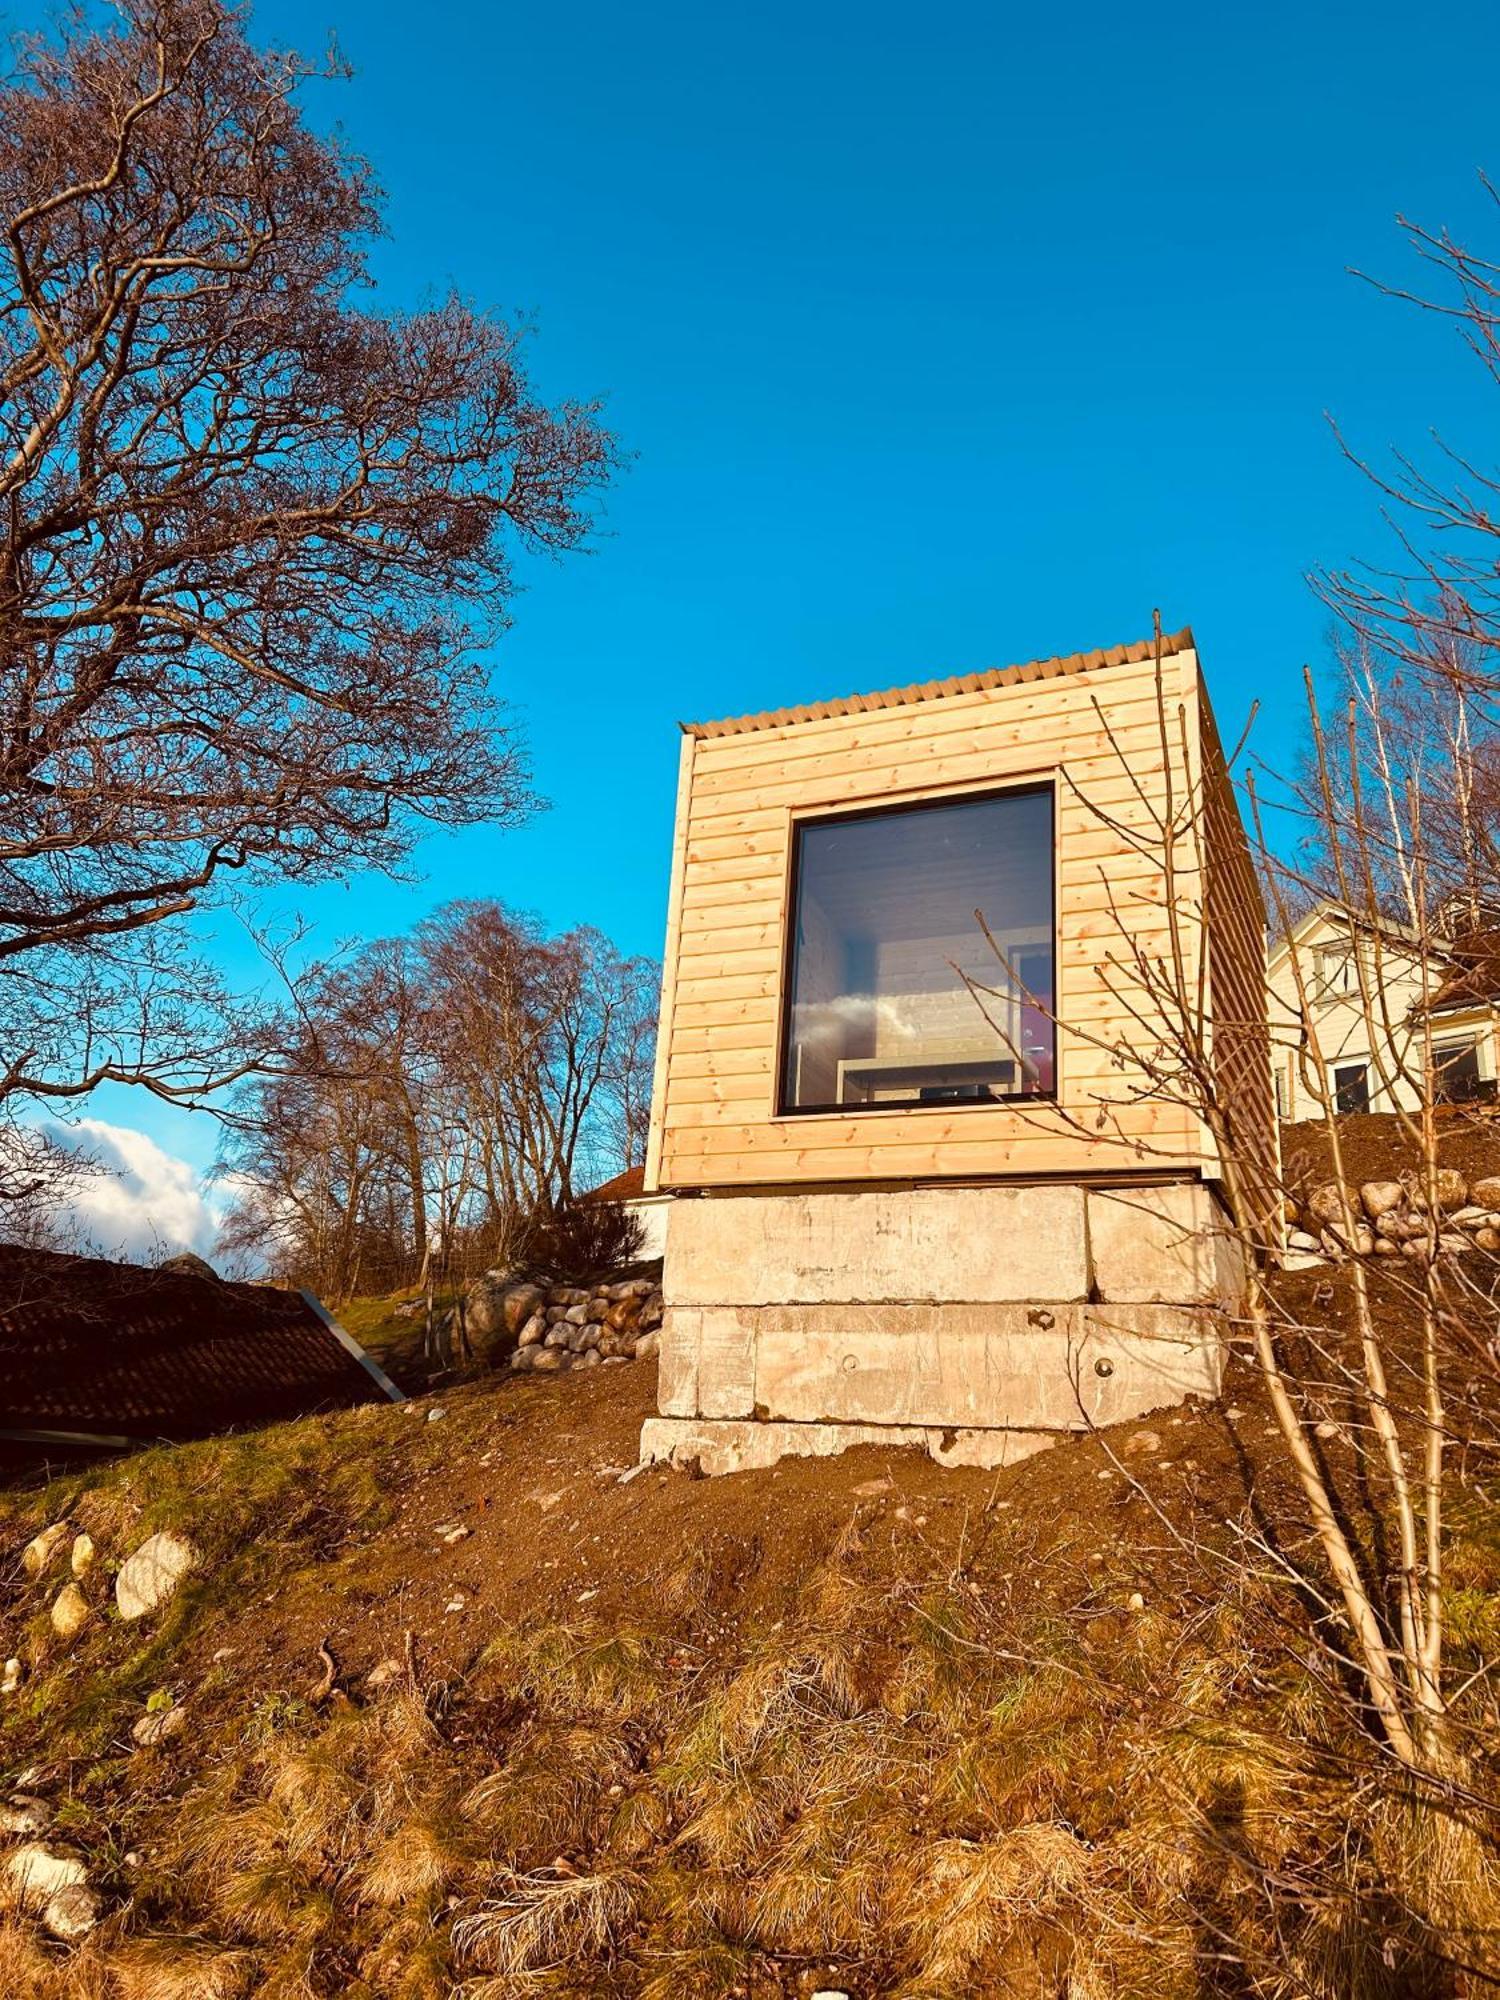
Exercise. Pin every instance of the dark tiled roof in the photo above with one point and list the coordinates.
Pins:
(113, 1350)
(991, 677)
(628, 1186)
(1474, 976)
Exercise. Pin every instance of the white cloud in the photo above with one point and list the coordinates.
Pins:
(146, 1204)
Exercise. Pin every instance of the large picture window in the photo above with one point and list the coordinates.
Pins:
(879, 1011)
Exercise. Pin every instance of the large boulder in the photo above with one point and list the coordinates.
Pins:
(1327, 1205)
(495, 1312)
(1450, 1186)
(1380, 1197)
(152, 1575)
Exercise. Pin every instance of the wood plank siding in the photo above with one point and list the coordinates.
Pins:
(1106, 732)
(1241, 1041)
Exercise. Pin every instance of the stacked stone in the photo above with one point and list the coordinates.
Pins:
(1392, 1219)
(572, 1326)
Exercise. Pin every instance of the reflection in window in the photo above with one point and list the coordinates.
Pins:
(1351, 1087)
(879, 1012)
(1455, 1072)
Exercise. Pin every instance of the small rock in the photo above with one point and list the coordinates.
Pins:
(23, 1814)
(456, 1533)
(70, 1612)
(523, 1360)
(1486, 1191)
(153, 1574)
(455, 1604)
(1301, 1260)
(81, 1561)
(1487, 1239)
(632, 1472)
(1303, 1239)
(72, 1913)
(1469, 1218)
(647, 1345)
(533, 1332)
(868, 1488)
(549, 1360)
(1327, 1429)
(436, 1414)
(1136, 1602)
(37, 1874)
(36, 1557)
(1451, 1244)
(590, 1358)
(1139, 1441)
(11, 1675)
(382, 1675)
(1233, 1414)
(157, 1724)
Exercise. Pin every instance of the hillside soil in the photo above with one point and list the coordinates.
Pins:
(465, 1704)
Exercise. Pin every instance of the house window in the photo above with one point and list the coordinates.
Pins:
(1336, 970)
(1351, 1087)
(885, 939)
(1455, 1072)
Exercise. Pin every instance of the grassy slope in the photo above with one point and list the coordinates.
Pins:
(864, 1722)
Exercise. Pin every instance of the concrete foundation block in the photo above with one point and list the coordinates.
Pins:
(677, 1362)
(727, 1446)
(1001, 1366)
(1171, 1244)
(949, 1244)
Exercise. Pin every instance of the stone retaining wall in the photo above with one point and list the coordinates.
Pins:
(1393, 1218)
(550, 1329)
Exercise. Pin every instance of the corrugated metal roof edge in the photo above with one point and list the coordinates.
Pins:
(1029, 670)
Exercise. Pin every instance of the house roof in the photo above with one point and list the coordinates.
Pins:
(629, 1186)
(991, 677)
(91, 1349)
(1474, 979)
(1331, 911)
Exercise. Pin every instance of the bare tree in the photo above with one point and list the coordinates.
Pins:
(447, 1097)
(1414, 1299)
(253, 536)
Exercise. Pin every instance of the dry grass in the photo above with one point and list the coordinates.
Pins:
(914, 1783)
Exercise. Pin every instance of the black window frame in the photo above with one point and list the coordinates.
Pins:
(801, 821)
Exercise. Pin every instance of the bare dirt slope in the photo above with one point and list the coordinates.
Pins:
(860, 1724)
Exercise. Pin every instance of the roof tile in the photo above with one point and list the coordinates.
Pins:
(973, 683)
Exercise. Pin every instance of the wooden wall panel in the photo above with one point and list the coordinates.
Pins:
(1109, 739)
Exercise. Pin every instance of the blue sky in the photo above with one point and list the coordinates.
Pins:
(943, 337)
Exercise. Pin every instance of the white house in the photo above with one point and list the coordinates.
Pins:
(649, 1210)
(1346, 999)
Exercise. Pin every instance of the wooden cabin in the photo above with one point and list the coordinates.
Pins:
(926, 1182)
